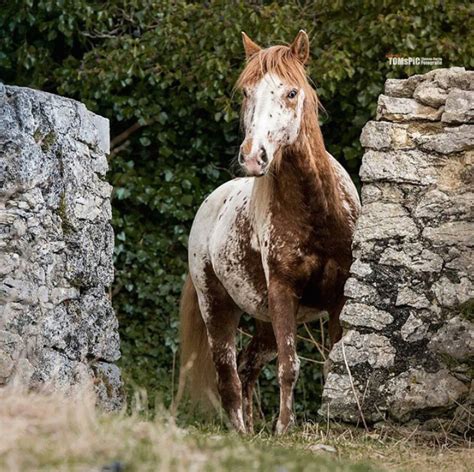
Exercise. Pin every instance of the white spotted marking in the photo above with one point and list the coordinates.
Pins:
(268, 119)
(216, 239)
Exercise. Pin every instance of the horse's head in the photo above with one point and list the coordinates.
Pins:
(277, 96)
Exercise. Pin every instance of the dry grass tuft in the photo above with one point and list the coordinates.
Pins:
(52, 432)
(395, 448)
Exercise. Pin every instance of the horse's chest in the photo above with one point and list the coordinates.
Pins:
(290, 255)
(247, 256)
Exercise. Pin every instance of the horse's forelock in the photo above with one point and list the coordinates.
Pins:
(280, 61)
(276, 59)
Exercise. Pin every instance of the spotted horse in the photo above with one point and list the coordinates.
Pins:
(275, 244)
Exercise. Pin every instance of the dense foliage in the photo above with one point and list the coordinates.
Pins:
(163, 73)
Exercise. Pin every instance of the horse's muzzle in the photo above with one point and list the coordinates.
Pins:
(256, 164)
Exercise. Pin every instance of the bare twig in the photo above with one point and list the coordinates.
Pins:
(303, 338)
(120, 138)
(446, 439)
(181, 385)
(225, 170)
(173, 372)
(356, 398)
(117, 149)
(99, 35)
(258, 396)
(242, 332)
(319, 347)
(405, 439)
(327, 423)
(310, 360)
(321, 329)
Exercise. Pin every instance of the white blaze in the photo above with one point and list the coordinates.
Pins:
(269, 120)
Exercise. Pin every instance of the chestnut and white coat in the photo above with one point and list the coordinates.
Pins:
(275, 244)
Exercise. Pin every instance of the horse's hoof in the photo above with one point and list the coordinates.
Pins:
(282, 428)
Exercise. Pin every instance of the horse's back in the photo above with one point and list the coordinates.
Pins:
(351, 200)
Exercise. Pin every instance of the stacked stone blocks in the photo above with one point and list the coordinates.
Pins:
(408, 348)
(57, 325)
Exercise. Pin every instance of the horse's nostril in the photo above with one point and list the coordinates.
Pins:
(241, 159)
(263, 155)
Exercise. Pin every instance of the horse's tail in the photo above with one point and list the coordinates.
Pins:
(197, 372)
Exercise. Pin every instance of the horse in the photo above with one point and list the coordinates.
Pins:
(275, 244)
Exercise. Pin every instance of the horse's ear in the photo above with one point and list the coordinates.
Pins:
(300, 47)
(250, 47)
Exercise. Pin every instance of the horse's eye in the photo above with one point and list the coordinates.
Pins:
(292, 93)
(245, 93)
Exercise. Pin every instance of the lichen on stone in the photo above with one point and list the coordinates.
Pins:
(66, 224)
(409, 314)
(56, 319)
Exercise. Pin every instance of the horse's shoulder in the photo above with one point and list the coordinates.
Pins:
(218, 197)
(228, 188)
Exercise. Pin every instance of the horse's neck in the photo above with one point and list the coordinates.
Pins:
(306, 184)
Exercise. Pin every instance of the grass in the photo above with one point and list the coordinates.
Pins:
(41, 432)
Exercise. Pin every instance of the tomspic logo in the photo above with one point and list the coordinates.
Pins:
(399, 60)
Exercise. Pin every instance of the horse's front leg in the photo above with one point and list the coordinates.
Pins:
(283, 306)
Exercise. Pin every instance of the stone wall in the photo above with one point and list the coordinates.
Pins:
(409, 332)
(57, 325)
